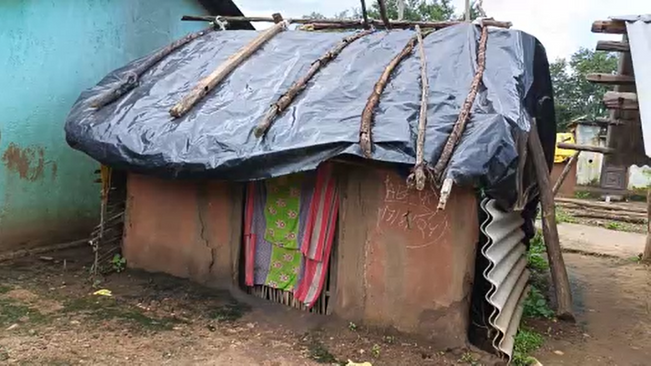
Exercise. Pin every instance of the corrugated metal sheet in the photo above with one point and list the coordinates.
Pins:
(506, 272)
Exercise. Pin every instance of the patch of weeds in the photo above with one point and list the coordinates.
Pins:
(536, 306)
(616, 226)
(230, 312)
(4, 289)
(12, 312)
(319, 353)
(469, 358)
(376, 350)
(102, 308)
(527, 341)
(389, 339)
(536, 255)
(352, 326)
(636, 258)
(582, 194)
(563, 216)
(118, 263)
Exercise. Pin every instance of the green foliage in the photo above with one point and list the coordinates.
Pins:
(352, 326)
(118, 263)
(574, 96)
(319, 353)
(615, 226)
(582, 194)
(563, 216)
(535, 306)
(469, 359)
(536, 255)
(527, 341)
(416, 10)
(376, 350)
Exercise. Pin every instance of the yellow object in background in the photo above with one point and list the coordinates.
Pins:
(560, 155)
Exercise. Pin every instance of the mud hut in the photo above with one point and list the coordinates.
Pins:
(319, 169)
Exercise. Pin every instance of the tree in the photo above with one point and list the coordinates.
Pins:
(416, 10)
(574, 96)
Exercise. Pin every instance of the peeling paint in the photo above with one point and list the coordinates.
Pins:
(28, 163)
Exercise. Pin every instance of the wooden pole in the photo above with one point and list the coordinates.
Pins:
(462, 119)
(210, 81)
(383, 14)
(133, 77)
(348, 23)
(550, 231)
(298, 86)
(364, 14)
(566, 170)
(418, 175)
(365, 137)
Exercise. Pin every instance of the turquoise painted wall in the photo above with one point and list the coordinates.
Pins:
(51, 50)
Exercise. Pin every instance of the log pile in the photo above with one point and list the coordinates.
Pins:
(602, 210)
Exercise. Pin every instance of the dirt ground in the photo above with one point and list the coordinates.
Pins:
(49, 316)
(612, 302)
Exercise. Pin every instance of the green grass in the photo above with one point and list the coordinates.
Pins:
(4, 289)
(582, 194)
(527, 341)
(102, 308)
(562, 216)
(319, 353)
(230, 312)
(12, 312)
(616, 226)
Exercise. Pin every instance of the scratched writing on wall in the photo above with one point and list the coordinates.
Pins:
(408, 209)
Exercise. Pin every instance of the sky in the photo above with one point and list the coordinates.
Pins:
(562, 26)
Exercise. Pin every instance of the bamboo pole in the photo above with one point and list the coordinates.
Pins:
(365, 137)
(418, 175)
(209, 82)
(646, 256)
(133, 77)
(462, 120)
(550, 231)
(298, 86)
(348, 23)
(566, 170)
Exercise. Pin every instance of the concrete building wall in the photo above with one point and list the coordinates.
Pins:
(51, 50)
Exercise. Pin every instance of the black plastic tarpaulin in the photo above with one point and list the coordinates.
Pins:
(215, 138)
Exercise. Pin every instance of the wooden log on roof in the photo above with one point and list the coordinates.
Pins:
(348, 23)
(132, 78)
(365, 137)
(464, 114)
(613, 46)
(597, 149)
(209, 82)
(620, 100)
(299, 85)
(611, 79)
(609, 26)
(418, 176)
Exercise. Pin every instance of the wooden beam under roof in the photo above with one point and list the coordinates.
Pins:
(609, 26)
(597, 149)
(610, 79)
(613, 46)
(620, 100)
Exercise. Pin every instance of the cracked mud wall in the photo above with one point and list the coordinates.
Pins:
(189, 229)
